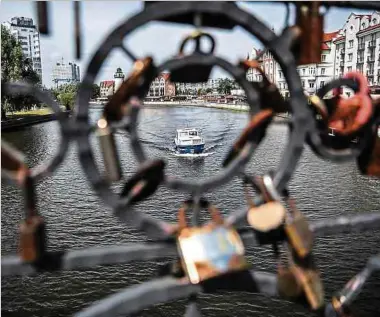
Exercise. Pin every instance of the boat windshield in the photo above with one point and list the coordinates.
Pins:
(193, 133)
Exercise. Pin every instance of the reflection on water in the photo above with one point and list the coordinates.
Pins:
(77, 218)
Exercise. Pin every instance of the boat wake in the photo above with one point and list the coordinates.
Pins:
(192, 155)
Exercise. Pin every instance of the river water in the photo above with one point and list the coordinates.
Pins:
(77, 218)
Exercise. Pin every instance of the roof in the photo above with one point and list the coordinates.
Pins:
(339, 39)
(165, 76)
(107, 83)
(329, 36)
(324, 46)
(187, 129)
(373, 27)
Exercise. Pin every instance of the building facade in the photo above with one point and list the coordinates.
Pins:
(355, 47)
(28, 36)
(162, 86)
(193, 88)
(118, 78)
(106, 88)
(65, 73)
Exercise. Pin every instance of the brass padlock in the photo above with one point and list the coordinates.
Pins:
(369, 160)
(310, 21)
(288, 286)
(298, 232)
(109, 150)
(32, 244)
(309, 279)
(211, 250)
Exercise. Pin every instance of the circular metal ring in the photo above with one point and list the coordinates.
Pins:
(46, 168)
(278, 46)
(315, 136)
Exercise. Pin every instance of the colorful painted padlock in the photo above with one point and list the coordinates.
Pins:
(211, 250)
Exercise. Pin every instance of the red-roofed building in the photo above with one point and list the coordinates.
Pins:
(107, 88)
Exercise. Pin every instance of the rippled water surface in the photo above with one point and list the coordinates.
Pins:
(77, 218)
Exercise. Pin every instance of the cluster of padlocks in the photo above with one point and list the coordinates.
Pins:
(209, 257)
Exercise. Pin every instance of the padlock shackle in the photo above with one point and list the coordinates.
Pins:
(214, 212)
(197, 35)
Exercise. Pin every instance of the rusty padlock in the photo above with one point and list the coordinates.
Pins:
(298, 232)
(309, 278)
(255, 131)
(354, 113)
(369, 160)
(137, 84)
(210, 250)
(193, 73)
(288, 286)
(109, 150)
(32, 244)
(309, 21)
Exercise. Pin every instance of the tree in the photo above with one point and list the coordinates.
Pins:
(67, 99)
(95, 91)
(208, 90)
(225, 86)
(15, 67)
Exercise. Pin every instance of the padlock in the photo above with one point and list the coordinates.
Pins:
(309, 278)
(310, 21)
(267, 221)
(298, 232)
(137, 84)
(109, 150)
(211, 250)
(145, 182)
(287, 284)
(13, 163)
(255, 131)
(194, 73)
(369, 159)
(352, 114)
(32, 244)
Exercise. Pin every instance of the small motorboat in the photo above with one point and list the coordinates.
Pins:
(189, 141)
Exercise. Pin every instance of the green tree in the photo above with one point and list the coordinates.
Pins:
(225, 86)
(208, 90)
(95, 91)
(15, 67)
(67, 99)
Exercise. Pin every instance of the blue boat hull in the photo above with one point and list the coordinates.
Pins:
(190, 149)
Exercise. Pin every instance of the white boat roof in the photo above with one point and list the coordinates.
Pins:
(187, 130)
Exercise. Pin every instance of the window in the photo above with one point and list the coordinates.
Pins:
(311, 84)
(349, 69)
(323, 58)
(322, 83)
(303, 71)
(351, 43)
(303, 84)
(350, 57)
(323, 71)
(374, 21)
(279, 74)
(363, 25)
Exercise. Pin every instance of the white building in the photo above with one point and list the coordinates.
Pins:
(355, 47)
(106, 88)
(27, 34)
(193, 88)
(65, 73)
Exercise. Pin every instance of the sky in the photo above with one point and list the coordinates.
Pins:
(160, 40)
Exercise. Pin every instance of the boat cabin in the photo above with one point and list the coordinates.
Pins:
(187, 133)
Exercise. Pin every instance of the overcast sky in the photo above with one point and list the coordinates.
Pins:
(161, 40)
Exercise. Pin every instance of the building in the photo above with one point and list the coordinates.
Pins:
(106, 88)
(193, 88)
(356, 46)
(28, 36)
(162, 86)
(65, 73)
(119, 78)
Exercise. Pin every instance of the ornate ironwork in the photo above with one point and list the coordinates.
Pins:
(304, 129)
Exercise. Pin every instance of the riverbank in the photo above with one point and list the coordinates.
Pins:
(225, 106)
(21, 120)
